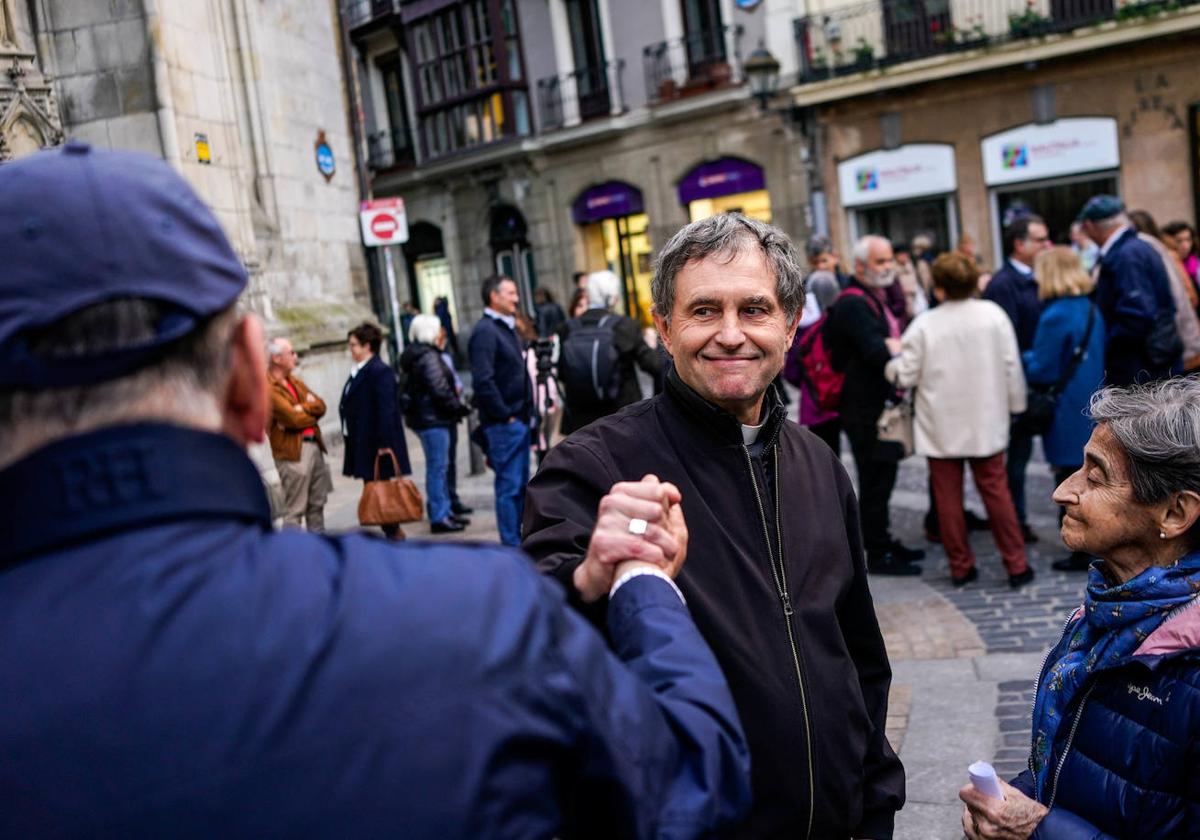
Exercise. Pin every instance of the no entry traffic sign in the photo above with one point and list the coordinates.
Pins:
(383, 222)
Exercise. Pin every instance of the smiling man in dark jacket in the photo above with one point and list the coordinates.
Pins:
(776, 577)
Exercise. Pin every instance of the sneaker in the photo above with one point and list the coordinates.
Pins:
(889, 564)
(971, 575)
(1021, 578)
(1027, 534)
(975, 522)
(1078, 561)
(903, 552)
(446, 526)
(458, 508)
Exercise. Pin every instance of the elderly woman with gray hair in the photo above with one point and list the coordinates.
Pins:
(1116, 719)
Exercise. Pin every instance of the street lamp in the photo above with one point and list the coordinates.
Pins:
(762, 72)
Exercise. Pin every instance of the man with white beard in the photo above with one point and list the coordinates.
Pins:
(863, 335)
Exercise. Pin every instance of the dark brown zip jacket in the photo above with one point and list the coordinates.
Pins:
(798, 640)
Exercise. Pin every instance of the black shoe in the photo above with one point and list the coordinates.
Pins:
(1027, 534)
(1020, 579)
(889, 564)
(459, 508)
(975, 522)
(461, 520)
(903, 552)
(971, 575)
(1078, 561)
(447, 526)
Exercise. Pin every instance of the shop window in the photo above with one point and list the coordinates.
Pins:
(1057, 202)
(470, 76)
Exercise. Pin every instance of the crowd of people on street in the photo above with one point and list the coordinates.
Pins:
(676, 637)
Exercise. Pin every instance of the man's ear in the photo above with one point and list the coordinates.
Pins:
(664, 329)
(246, 405)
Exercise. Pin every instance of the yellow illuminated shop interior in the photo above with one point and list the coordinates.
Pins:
(622, 246)
(756, 205)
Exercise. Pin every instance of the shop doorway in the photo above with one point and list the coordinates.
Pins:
(902, 221)
(513, 256)
(726, 185)
(613, 235)
(429, 274)
(1057, 201)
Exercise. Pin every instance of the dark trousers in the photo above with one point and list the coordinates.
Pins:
(877, 464)
(946, 475)
(452, 468)
(831, 432)
(1020, 450)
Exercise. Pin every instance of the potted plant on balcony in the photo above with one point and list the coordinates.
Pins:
(864, 54)
(1028, 22)
(819, 64)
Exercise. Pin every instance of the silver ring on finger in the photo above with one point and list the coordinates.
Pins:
(638, 527)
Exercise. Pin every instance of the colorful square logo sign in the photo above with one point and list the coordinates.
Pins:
(868, 179)
(1015, 157)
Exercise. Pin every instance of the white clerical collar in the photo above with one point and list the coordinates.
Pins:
(1112, 240)
(354, 369)
(510, 320)
(1020, 266)
(750, 433)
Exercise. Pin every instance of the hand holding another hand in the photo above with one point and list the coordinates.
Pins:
(614, 549)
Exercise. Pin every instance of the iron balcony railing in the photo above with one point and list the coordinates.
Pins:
(882, 33)
(700, 61)
(361, 12)
(389, 148)
(585, 94)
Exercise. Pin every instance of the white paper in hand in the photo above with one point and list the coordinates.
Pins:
(983, 777)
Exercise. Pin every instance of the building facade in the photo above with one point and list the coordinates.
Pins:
(248, 101)
(945, 117)
(540, 138)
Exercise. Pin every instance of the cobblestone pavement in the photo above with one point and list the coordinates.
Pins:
(964, 660)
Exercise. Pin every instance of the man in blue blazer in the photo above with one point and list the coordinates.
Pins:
(1132, 291)
(503, 396)
(1015, 290)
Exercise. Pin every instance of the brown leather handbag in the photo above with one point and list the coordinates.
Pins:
(390, 501)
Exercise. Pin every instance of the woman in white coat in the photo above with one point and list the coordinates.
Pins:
(962, 359)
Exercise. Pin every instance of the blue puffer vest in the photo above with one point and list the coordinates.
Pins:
(1127, 758)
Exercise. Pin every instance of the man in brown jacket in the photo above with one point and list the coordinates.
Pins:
(296, 440)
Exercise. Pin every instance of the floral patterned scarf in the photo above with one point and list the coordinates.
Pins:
(1116, 620)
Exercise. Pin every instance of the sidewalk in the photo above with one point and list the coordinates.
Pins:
(963, 660)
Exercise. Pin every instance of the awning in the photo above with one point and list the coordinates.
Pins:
(714, 179)
(606, 201)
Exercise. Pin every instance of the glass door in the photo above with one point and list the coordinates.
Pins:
(704, 39)
(587, 49)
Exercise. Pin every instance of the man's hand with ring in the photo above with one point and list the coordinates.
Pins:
(663, 542)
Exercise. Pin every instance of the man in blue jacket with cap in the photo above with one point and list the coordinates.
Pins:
(173, 667)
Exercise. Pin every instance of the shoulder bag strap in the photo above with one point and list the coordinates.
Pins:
(1079, 351)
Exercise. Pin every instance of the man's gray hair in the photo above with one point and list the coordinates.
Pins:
(862, 248)
(184, 385)
(425, 329)
(1158, 426)
(603, 289)
(726, 235)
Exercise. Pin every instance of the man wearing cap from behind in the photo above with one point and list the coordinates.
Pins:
(173, 667)
(1133, 293)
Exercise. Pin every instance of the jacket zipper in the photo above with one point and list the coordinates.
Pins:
(1067, 747)
(1037, 683)
(781, 585)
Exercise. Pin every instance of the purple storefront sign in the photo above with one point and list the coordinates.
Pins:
(720, 177)
(606, 201)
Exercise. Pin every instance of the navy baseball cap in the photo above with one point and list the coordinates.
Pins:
(1100, 207)
(81, 226)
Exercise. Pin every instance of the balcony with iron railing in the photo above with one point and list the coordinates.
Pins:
(362, 13)
(699, 62)
(390, 149)
(882, 34)
(586, 94)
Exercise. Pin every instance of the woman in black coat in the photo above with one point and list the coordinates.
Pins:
(370, 421)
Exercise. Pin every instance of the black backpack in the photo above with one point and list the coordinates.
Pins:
(589, 363)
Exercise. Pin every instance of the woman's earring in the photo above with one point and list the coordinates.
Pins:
(1162, 535)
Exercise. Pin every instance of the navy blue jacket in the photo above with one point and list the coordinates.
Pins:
(1132, 769)
(499, 376)
(369, 416)
(1060, 329)
(173, 668)
(1017, 295)
(1132, 290)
